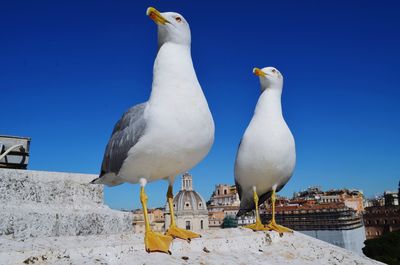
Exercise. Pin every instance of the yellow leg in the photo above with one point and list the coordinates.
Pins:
(173, 230)
(154, 242)
(272, 224)
(257, 226)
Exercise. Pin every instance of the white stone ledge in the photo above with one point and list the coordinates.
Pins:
(19, 187)
(45, 204)
(25, 222)
(227, 246)
(49, 176)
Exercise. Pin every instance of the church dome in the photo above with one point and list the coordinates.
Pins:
(187, 200)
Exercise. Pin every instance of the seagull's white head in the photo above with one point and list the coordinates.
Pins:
(172, 27)
(270, 78)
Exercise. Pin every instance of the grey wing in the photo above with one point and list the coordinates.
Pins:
(127, 132)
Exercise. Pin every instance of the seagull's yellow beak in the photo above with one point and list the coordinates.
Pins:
(156, 16)
(258, 72)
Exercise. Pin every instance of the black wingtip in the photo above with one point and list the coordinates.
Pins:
(94, 181)
(240, 213)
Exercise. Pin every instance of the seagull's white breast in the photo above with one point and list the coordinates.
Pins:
(180, 128)
(266, 156)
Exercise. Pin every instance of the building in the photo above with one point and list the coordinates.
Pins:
(350, 197)
(380, 219)
(377, 201)
(333, 222)
(391, 198)
(225, 202)
(189, 207)
(224, 195)
(332, 216)
(156, 220)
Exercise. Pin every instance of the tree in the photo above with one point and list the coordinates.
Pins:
(385, 248)
(229, 222)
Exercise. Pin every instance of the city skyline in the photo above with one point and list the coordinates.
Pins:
(71, 69)
(378, 195)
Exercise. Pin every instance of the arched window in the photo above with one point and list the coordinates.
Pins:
(225, 192)
(187, 225)
(218, 192)
(201, 224)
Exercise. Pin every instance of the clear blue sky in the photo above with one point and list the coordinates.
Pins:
(69, 69)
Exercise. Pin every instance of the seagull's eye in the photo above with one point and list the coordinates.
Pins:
(273, 70)
(178, 19)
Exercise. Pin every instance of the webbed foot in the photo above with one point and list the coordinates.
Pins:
(177, 232)
(156, 242)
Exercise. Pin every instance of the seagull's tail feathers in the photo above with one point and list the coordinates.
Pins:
(110, 179)
(246, 205)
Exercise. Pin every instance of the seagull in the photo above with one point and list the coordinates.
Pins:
(266, 155)
(167, 135)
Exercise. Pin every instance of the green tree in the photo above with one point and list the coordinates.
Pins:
(229, 222)
(385, 248)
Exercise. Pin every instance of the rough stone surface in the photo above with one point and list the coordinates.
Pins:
(18, 187)
(58, 218)
(225, 246)
(43, 204)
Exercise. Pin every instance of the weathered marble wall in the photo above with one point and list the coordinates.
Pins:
(38, 204)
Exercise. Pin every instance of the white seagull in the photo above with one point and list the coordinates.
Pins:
(266, 156)
(167, 135)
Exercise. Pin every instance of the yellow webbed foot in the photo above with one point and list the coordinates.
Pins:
(177, 232)
(156, 242)
(257, 226)
(272, 226)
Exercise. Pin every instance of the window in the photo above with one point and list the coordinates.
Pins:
(218, 192)
(201, 224)
(225, 192)
(187, 225)
(200, 204)
(187, 204)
